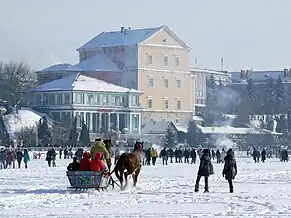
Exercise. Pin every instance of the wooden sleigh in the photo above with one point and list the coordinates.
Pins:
(84, 180)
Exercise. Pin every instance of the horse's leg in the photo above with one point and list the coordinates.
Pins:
(137, 171)
(121, 177)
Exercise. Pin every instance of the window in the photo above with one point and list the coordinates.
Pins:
(105, 99)
(134, 100)
(38, 99)
(90, 99)
(52, 99)
(150, 103)
(177, 60)
(80, 98)
(150, 59)
(59, 99)
(151, 82)
(166, 82)
(178, 81)
(178, 104)
(177, 120)
(113, 100)
(166, 60)
(97, 99)
(45, 99)
(166, 103)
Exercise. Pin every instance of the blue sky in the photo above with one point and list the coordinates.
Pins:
(248, 33)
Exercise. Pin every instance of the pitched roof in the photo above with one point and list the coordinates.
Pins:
(257, 76)
(96, 63)
(156, 127)
(78, 82)
(57, 68)
(117, 38)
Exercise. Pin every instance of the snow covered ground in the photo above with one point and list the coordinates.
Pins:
(261, 190)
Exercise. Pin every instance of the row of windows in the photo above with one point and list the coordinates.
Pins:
(166, 103)
(166, 60)
(151, 82)
(86, 99)
(200, 101)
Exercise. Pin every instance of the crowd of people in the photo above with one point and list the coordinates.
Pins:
(268, 153)
(8, 157)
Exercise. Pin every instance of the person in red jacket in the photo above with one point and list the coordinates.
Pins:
(85, 162)
(97, 164)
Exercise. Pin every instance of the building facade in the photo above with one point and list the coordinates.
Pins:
(100, 105)
(201, 85)
(152, 60)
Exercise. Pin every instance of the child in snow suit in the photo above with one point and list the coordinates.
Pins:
(85, 162)
(26, 157)
(205, 169)
(74, 166)
(97, 163)
(230, 169)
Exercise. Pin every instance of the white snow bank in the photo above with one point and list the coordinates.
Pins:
(26, 118)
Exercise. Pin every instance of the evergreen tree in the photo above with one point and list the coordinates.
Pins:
(194, 135)
(84, 135)
(269, 123)
(170, 138)
(73, 137)
(44, 134)
(4, 135)
(289, 121)
(191, 134)
(270, 100)
(250, 89)
(210, 101)
(281, 124)
(279, 93)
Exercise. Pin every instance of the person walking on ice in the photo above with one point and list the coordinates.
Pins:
(230, 168)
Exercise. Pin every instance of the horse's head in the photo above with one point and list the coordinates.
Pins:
(138, 146)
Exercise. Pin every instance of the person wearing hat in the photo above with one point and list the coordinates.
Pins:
(230, 168)
(205, 169)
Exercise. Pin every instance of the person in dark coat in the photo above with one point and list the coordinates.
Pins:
(263, 154)
(49, 157)
(218, 156)
(213, 154)
(74, 166)
(193, 156)
(171, 154)
(255, 154)
(205, 169)
(176, 155)
(230, 168)
(186, 156)
(164, 156)
(19, 156)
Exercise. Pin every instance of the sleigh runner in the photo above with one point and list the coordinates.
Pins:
(83, 180)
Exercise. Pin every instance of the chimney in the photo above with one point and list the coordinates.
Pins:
(122, 29)
(286, 72)
(129, 28)
(247, 73)
(242, 73)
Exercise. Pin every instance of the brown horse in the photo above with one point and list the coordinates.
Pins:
(129, 164)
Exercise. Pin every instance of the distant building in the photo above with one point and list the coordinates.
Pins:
(101, 105)
(201, 90)
(152, 60)
(260, 84)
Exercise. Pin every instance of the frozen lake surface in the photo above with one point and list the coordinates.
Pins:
(261, 190)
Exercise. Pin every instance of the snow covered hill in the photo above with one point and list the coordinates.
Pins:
(26, 118)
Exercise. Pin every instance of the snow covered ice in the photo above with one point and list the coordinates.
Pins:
(261, 190)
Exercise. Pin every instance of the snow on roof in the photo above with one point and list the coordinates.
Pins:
(117, 38)
(80, 82)
(197, 118)
(256, 76)
(57, 68)
(181, 128)
(156, 127)
(26, 118)
(97, 62)
(233, 130)
(200, 105)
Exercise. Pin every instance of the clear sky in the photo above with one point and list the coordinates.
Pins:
(247, 33)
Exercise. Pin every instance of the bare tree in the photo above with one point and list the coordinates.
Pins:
(15, 79)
